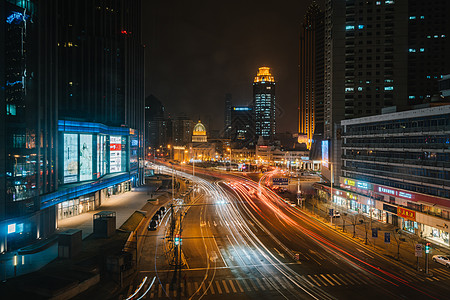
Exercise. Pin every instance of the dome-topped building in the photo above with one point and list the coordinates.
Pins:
(199, 133)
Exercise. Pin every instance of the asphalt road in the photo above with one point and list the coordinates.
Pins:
(240, 240)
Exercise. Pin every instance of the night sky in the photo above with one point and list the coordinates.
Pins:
(197, 51)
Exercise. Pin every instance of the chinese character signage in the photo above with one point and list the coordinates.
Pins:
(406, 213)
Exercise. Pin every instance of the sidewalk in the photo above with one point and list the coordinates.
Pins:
(402, 244)
(88, 268)
(124, 205)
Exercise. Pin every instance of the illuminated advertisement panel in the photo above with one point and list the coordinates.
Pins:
(101, 155)
(124, 157)
(70, 158)
(325, 157)
(85, 157)
(115, 154)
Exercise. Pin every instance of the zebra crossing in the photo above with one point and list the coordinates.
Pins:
(246, 285)
(225, 286)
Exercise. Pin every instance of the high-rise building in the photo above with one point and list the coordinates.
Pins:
(182, 128)
(380, 54)
(74, 99)
(264, 103)
(311, 74)
(155, 123)
(242, 127)
(227, 116)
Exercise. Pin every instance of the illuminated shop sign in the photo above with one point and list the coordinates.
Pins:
(395, 193)
(325, 157)
(405, 195)
(406, 213)
(362, 185)
(386, 191)
(115, 154)
(350, 182)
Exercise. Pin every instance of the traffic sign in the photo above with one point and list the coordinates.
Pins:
(331, 212)
(387, 237)
(375, 232)
(419, 249)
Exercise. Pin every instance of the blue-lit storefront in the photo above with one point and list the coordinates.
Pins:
(96, 161)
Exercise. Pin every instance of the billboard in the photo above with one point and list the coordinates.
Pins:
(115, 154)
(70, 158)
(85, 157)
(325, 155)
(101, 155)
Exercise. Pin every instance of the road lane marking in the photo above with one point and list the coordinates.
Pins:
(196, 286)
(159, 290)
(205, 292)
(321, 281)
(341, 278)
(246, 285)
(279, 253)
(239, 286)
(313, 280)
(286, 281)
(218, 287)
(260, 284)
(329, 276)
(225, 287)
(276, 279)
(211, 288)
(232, 285)
(269, 284)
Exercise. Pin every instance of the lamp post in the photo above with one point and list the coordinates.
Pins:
(229, 149)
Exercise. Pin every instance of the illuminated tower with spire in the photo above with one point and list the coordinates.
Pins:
(311, 74)
(264, 103)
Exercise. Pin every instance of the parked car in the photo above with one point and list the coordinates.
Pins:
(153, 225)
(156, 218)
(442, 259)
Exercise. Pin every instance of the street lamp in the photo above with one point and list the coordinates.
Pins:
(331, 188)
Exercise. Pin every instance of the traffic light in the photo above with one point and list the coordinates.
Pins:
(176, 241)
(427, 247)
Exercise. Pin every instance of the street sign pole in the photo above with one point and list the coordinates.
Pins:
(418, 254)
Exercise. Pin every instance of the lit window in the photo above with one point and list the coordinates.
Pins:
(389, 2)
(349, 89)
(412, 97)
(428, 77)
(422, 49)
(412, 17)
(360, 26)
(349, 27)
(443, 35)
(428, 36)
(378, 3)
(412, 50)
(360, 88)
(422, 17)
(388, 88)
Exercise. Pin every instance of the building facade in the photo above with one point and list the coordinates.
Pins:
(311, 74)
(264, 103)
(74, 123)
(397, 165)
(242, 132)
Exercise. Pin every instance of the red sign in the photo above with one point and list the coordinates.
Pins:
(406, 213)
(115, 147)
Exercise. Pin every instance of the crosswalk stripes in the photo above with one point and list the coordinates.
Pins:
(260, 284)
(243, 285)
